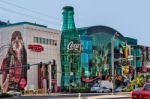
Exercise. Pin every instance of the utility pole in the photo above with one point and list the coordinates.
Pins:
(112, 65)
(50, 77)
(112, 61)
(134, 57)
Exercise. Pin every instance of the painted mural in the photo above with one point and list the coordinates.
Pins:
(14, 71)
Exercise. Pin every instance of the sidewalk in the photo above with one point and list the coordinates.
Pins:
(52, 94)
(108, 97)
(120, 95)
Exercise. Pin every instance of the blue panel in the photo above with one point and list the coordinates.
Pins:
(119, 71)
(84, 58)
(67, 80)
(86, 54)
(138, 63)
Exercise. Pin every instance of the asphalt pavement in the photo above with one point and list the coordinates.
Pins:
(122, 95)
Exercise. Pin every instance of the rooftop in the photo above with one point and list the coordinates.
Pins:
(21, 23)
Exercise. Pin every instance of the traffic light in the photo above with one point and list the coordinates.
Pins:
(126, 52)
(40, 64)
(54, 62)
(49, 62)
(28, 66)
(126, 70)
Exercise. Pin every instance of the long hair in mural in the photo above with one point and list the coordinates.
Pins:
(14, 71)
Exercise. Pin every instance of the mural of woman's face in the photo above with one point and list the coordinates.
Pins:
(16, 41)
(14, 60)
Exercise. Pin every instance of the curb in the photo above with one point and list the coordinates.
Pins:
(108, 97)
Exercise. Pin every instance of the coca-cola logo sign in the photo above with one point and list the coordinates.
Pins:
(73, 46)
(36, 48)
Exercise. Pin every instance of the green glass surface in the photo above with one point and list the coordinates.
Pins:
(70, 59)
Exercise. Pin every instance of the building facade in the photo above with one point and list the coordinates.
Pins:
(33, 56)
(30, 57)
(101, 48)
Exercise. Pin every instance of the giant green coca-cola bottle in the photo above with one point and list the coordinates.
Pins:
(70, 51)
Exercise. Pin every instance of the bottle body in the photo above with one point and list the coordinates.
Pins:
(70, 51)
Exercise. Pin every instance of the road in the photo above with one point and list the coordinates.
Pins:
(63, 96)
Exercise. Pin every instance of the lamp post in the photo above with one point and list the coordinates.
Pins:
(50, 76)
(134, 58)
(112, 62)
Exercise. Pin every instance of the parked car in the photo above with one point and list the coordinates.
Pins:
(143, 93)
(95, 87)
(103, 90)
(101, 83)
(107, 84)
(119, 89)
(14, 93)
(137, 89)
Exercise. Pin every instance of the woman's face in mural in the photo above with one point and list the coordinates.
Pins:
(17, 42)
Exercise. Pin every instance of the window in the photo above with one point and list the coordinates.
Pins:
(45, 41)
(35, 40)
(40, 40)
(147, 87)
(55, 42)
(49, 41)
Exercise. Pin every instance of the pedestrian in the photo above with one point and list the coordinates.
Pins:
(49, 91)
(34, 92)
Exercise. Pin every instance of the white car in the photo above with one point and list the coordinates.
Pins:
(120, 88)
(105, 83)
(103, 90)
(95, 87)
(15, 93)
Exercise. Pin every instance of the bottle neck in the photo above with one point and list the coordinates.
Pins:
(68, 21)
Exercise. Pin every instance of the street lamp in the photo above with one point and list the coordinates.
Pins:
(112, 62)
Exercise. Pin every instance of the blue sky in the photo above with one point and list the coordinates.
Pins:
(129, 17)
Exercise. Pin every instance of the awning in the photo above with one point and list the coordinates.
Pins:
(89, 80)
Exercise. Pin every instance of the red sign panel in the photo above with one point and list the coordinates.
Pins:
(36, 48)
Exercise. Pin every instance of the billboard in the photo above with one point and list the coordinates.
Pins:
(13, 65)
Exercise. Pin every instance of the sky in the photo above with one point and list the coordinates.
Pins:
(130, 17)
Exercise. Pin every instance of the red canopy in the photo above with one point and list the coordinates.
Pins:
(89, 80)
